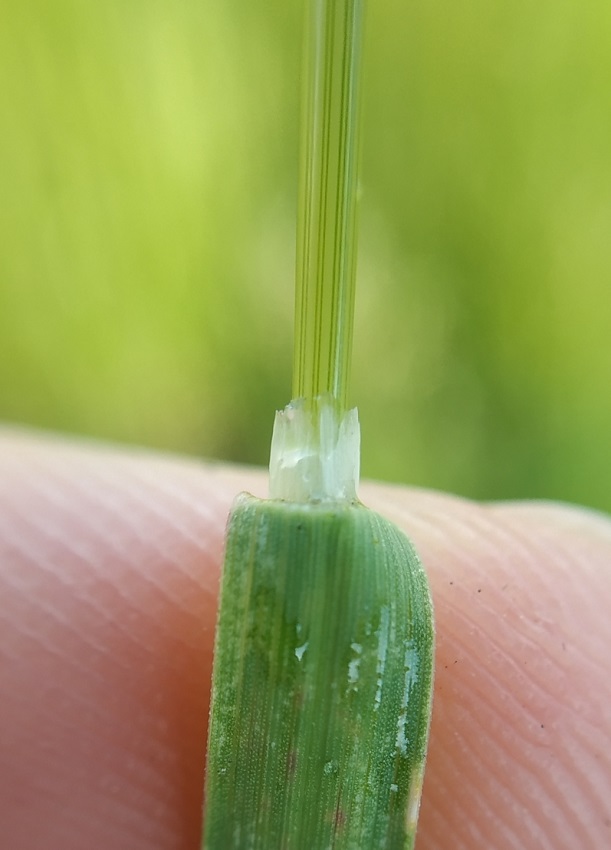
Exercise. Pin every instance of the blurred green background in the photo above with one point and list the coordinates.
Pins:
(148, 167)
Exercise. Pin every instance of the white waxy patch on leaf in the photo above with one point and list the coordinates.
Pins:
(299, 650)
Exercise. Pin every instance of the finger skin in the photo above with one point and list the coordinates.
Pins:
(109, 568)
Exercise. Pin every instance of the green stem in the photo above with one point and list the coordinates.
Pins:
(326, 245)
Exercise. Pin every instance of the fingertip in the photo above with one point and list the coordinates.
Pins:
(108, 571)
(519, 750)
(109, 567)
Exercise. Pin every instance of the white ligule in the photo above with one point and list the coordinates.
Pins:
(315, 453)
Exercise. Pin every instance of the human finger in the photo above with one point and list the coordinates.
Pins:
(109, 564)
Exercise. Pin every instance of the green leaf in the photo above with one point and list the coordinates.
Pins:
(322, 682)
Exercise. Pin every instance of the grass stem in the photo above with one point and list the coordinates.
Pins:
(326, 243)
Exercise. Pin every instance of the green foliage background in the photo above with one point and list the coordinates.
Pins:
(148, 162)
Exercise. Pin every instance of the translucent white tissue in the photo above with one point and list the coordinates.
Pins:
(315, 453)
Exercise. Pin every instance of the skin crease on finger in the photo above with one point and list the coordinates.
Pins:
(109, 567)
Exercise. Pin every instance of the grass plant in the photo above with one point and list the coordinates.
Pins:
(323, 663)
